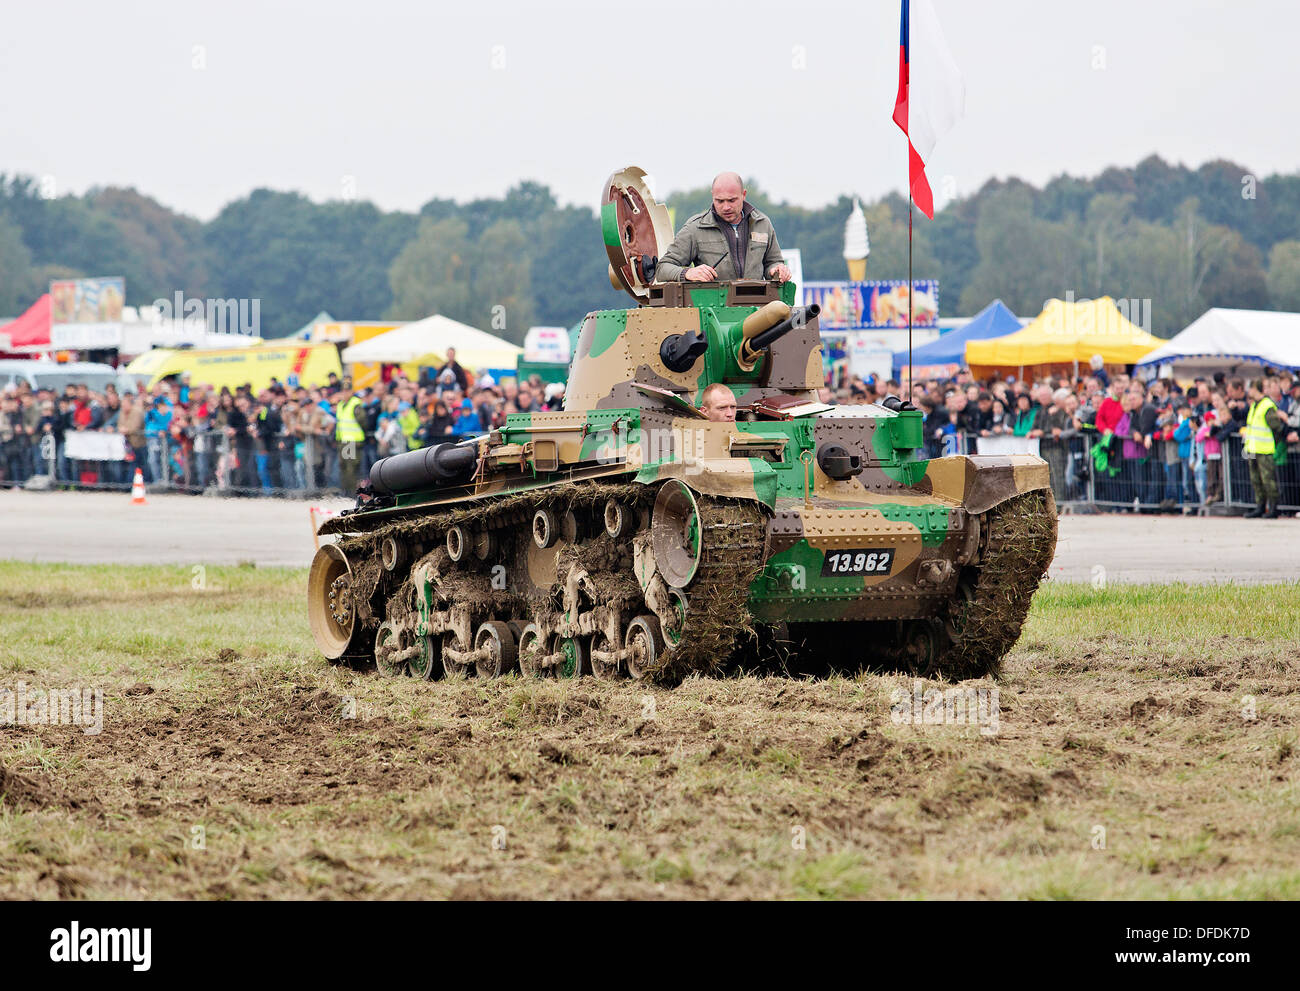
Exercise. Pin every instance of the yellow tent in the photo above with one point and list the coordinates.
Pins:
(1066, 333)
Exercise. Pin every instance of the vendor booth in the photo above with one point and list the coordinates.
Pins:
(1061, 341)
(1236, 342)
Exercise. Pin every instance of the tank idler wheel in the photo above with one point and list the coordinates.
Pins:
(604, 670)
(620, 521)
(673, 635)
(452, 669)
(392, 553)
(517, 627)
(485, 544)
(427, 664)
(575, 656)
(334, 624)
(532, 648)
(498, 640)
(546, 528)
(388, 643)
(646, 643)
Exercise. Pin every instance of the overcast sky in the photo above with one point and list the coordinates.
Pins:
(197, 103)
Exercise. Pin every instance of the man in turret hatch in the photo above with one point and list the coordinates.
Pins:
(719, 404)
(730, 240)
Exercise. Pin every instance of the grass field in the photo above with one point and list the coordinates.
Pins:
(1146, 748)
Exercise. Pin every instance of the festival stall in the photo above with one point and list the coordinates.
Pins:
(1062, 340)
(1237, 342)
(425, 342)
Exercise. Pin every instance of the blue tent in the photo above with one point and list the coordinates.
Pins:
(995, 320)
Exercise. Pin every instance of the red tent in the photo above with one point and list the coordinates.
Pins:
(31, 331)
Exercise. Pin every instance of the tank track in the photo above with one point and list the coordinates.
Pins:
(733, 534)
(983, 620)
(588, 605)
(979, 625)
(985, 624)
(594, 595)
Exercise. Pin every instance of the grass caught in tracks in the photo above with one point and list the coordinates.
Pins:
(1145, 748)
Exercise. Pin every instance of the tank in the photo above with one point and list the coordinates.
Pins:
(630, 536)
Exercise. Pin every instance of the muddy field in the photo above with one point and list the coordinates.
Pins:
(1144, 746)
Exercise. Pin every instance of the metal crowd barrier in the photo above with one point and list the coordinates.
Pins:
(210, 462)
(309, 467)
(1237, 480)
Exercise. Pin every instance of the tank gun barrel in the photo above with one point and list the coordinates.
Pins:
(751, 348)
(797, 318)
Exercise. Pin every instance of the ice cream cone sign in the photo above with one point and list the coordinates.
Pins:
(856, 246)
(137, 489)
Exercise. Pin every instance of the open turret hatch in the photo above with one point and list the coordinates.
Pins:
(636, 231)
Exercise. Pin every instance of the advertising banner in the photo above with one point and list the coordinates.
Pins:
(90, 446)
(873, 305)
(86, 314)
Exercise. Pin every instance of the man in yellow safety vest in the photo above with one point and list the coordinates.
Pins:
(350, 436)
(1258, 446)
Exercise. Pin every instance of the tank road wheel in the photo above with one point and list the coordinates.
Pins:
(924, 642)
(571, 530)
(675, 533)
(454, 670)
(388, 641)
(646, 643)
(532, 648)
(959, 609)
(546, 528)
(619, 519)
(458, 543)
(499, 641)
(576, 659)
(485, 544)
(606, 671)
(391, 554)
(427, 664)
(330, 611)
(673, 634)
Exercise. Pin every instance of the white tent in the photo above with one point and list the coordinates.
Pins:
(426, 342)
(1234, 341)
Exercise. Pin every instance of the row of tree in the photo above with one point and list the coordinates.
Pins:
(1184, 239)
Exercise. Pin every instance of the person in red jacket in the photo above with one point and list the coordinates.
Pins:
(1110, 410)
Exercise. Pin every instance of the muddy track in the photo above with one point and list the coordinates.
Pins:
(985, 622)
(580, 595)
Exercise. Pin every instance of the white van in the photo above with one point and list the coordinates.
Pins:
(42, 374)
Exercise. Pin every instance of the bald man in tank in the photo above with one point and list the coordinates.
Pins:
(730, 240)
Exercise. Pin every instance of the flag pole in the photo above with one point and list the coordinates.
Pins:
(908, 397)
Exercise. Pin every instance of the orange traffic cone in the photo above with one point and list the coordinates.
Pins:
(137, 489)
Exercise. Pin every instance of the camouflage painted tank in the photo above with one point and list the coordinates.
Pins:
(629, 536)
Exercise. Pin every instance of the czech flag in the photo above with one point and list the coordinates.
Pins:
(931, 93)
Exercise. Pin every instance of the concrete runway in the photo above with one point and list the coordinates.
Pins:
(104, 527)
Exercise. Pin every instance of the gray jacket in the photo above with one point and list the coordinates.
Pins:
(702, 242)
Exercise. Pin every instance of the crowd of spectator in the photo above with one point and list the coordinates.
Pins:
(1150, 442)
(194, 437)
